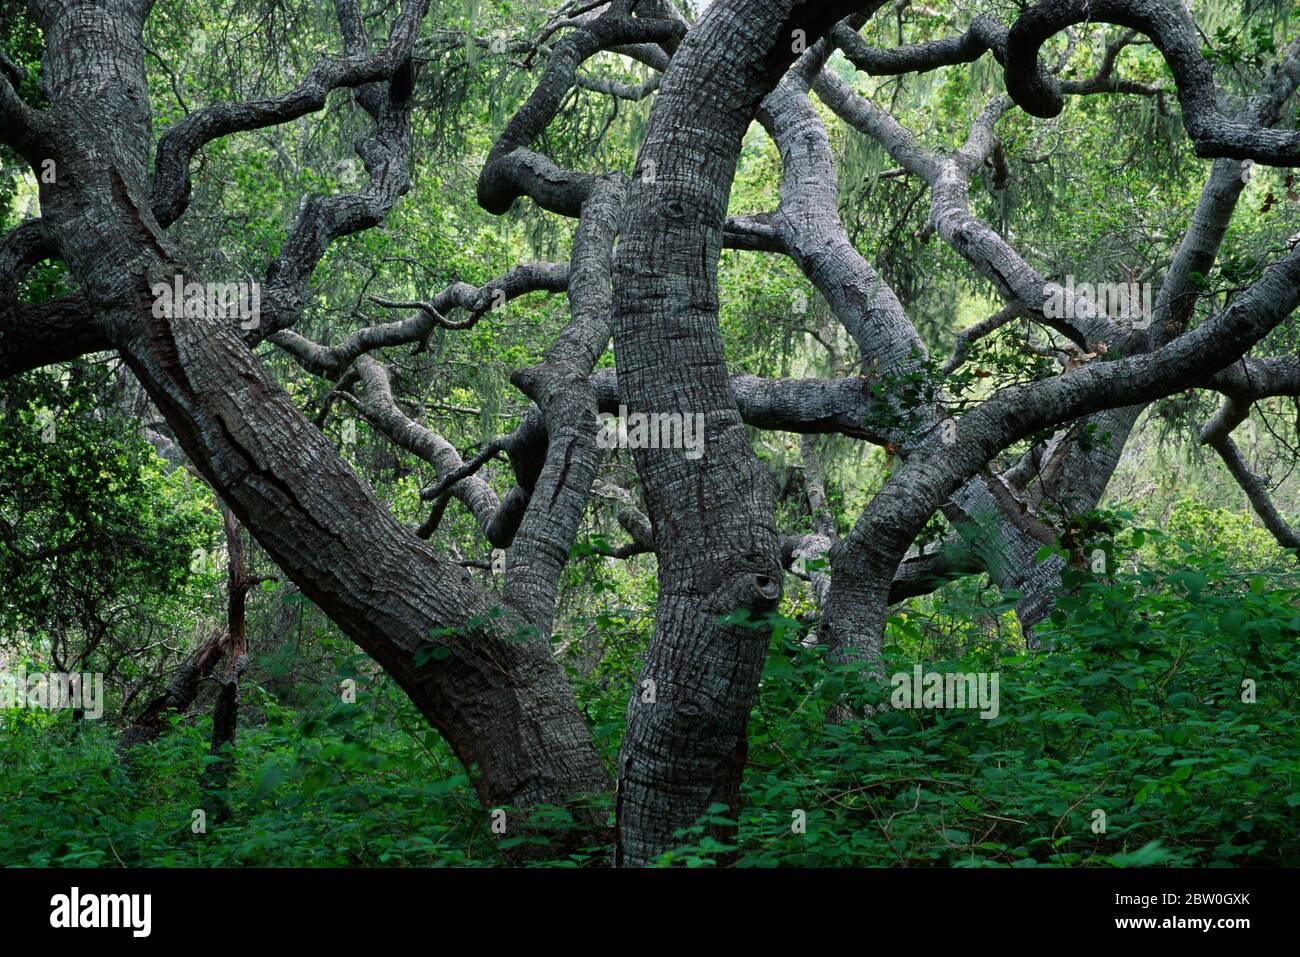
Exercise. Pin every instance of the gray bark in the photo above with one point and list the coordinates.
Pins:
(643, 273)
(713, 517)
(503, 705)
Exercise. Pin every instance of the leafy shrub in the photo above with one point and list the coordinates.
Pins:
(1139, 705)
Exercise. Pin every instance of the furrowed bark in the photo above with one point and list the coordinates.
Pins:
(860, 585)
(684, 744)
(177, 697)
(561, 387)
(1172, 30)
(1075, 479)
(503, 705)
(890, 346)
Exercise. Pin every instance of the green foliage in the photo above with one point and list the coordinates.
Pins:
(1135, 707)
(93, 528)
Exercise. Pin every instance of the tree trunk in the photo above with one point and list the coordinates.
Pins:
(713, 517)
(503, 705)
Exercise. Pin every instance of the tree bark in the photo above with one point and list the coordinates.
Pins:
(713, 517)
(502, 704)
